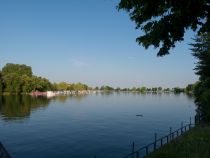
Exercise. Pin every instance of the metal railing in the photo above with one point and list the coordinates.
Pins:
(158, 143)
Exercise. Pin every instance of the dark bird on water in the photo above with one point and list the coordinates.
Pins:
(139, 115)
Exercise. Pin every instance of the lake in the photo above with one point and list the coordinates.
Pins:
(103, 124)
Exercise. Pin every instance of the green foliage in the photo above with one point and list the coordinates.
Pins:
(178, 90)
(40, 84)
(80, 86)
(62, 86)
(106, 88)
(193, 144)
(167, 90)
(125, 89)
(18, 79)
(118, 89)
(143, 89)
(164, 22)
(133, 89)
(1, 83)
(202, 98)
(12, 83)
(19, 70)
(96, 88)
(201, 50)
(190, 88)
(28, 84)
(160, 88)
(149, 89)
(154, 89)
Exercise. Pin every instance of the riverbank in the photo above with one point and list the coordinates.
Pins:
(193, 144)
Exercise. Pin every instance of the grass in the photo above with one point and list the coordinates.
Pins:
(193, 144)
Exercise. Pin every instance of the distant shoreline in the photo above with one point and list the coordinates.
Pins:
(83, 92)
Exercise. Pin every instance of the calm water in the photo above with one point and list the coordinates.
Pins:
(98, 124)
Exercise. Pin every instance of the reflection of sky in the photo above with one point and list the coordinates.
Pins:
(103, 124)
(87, 41)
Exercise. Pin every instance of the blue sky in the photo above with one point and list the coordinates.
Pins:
(87, 41)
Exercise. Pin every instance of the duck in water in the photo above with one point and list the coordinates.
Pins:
(139, 115)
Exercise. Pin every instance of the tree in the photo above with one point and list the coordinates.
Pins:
(178, 90)
(18, 69)
(12, 83)
(106, 88)
(13, 76)
(79, 86)
(149, 89)
(133, 89)
(117, 89)
(41, 84)
(164, 22)
(63, 86)
(1, 84)
(143, 89)
(167, 90)
(190, 88)
(28, 85)
(154, 89)
(160, 88)
(96, 88)
(201, 51)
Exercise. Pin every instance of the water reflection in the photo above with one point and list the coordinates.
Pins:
(17, 107)
(64, 125)
(64, 98)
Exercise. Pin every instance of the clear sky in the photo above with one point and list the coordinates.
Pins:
(87, 41)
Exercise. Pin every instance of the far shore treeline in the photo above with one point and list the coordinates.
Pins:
(19, 79)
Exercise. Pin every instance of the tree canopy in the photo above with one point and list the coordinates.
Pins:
(164, 22)
(201, 50)
(1, 83)
(17, 69)
(16, 79)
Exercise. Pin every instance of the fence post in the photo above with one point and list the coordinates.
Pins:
(94, 156)
(147, 150)
(181, 128)
(190, 123)
(161, 142)
(195, 119)
(133, 150)
(170, 133)
(199, 118)
(155, 141)
(137, 154)
(167, 139)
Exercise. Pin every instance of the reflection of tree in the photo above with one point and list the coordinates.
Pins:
(64, 98)
(61, 98)
(106, 93)
(18, 107)
(79, 97)
(189, 96)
